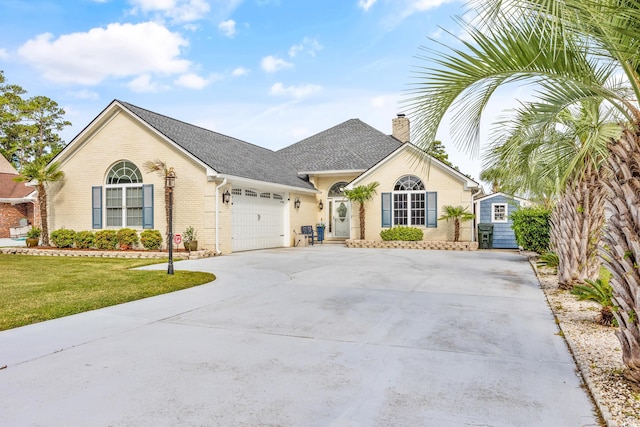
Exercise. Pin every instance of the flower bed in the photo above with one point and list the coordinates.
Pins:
(39, 251)
(422, 244)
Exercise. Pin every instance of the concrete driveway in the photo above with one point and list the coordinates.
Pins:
(317, 336)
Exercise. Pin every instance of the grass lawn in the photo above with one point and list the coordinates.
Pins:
(35, 288)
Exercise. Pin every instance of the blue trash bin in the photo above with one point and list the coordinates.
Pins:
(320, 230)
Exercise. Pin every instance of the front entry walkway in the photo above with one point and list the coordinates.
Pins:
(316, 336)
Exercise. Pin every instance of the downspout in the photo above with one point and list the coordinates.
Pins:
(475, 218)
(224, 182)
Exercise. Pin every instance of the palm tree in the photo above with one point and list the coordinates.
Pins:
(572, 51)
(362, 194)
(41, 174)
(458, 214)
(160, 167)
(563, 158)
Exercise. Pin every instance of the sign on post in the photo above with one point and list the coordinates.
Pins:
(177, 239)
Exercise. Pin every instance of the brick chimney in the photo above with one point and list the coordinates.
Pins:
(400, 128)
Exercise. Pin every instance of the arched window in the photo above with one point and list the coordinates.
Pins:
(409, 183)
(409, 204)
(337, 189)
(124, 195)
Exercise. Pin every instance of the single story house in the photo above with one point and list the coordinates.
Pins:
(239, 196)
(17, 200)
(495, 209)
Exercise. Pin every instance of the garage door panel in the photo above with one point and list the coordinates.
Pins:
(257, 222)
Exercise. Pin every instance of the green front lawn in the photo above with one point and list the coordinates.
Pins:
(36, 288)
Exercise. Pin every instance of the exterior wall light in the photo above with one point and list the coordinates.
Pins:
(320, 205)
(296, 203)
(226, 197)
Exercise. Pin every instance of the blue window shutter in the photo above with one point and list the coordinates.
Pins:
(96, 207)
(147, 206)
(431, 208)
(386, 209)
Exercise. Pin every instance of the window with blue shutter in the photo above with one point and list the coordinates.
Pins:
(147, 206)
(96, 207)
(386, 209)
(431, 209)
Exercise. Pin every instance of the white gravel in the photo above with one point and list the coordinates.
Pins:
(597, 352)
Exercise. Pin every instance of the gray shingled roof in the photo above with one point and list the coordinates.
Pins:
(352, 145)
(224, 154)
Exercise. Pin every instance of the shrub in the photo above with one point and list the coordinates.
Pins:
(151, 239)
(34, 233)
(402, 233)
(85, 239)
(531, 226)
(106, 239)
(63, 238)
(127, 238)
(548, 259)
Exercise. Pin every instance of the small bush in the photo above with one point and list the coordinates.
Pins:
(127, 238)
(85, 239)
(63, 238)
(531, 226)
(151, 239)
(409, 234)
(106, 239)
(34, 233)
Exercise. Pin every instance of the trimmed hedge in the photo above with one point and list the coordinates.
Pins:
(85, 239)
(151, 239)
(408, 234)
(127, 238)
(63, 238)
(531, 226)
(106, 239)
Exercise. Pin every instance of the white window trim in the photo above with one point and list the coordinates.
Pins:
(493, 212)
(123, 207)
(410, 218)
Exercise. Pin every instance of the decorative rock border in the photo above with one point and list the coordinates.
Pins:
(106, 254)
(422, 244)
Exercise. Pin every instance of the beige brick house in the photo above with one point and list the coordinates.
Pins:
(272, 194)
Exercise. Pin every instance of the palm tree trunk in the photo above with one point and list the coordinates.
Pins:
(576, 227)
(361, 220)
(621, 244)
(456, 229)
(42, 202)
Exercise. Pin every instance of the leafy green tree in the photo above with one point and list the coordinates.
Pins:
(10, 116)
(571, 51)
(362, 194)
(437, 150)
(42, 174)
(458, 214)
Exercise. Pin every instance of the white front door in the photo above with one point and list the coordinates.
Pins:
(341, 217)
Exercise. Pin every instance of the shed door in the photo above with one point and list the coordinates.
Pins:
(257, 220)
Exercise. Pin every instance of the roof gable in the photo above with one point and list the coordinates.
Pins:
(10, 189)
(224, 154)
(502, 196)
(6, 167)
(420, 155)
(352, 145)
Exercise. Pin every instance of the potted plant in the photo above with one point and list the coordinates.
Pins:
(190, 239)
(33, 237)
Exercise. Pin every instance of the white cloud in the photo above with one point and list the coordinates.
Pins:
(144, 83)
(4, 54)
(366, 4)
(308, 45)
(120, 50)
(271, 64)
(297, 92)
(240, 71)
(193, 81)
(176, 10)
(85, 94)
(228, 27)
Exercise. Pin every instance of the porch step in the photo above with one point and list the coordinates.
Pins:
(333, 241)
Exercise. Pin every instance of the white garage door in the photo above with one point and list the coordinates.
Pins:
(257, 220)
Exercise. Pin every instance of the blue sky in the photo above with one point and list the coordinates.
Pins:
(269, 72)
